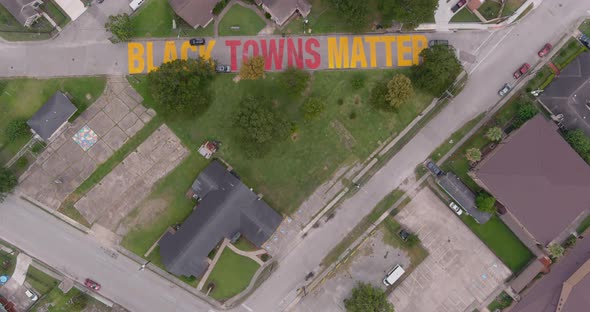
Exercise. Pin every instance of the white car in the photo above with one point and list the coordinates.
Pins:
(31, 295)
(456, 208)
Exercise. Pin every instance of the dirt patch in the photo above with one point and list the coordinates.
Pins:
(346, 137)
(294, 136)
(148, 212)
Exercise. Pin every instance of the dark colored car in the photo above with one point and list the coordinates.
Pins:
(457, 6)
(220, 68)
(404, 234)
(434, 168)
(197, 41)
(92, 285)
(432, 43)
(522, 70)
(545, 50)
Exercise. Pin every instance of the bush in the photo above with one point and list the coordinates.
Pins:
(555, 251)
(264, 257)
(22, 163)
(8, 182)
(579, 142)
(38, 148)
(365, 298)
(294, 80)
(494, 134)
(340, 101)
(399, 91)
(526, 111)
(473, 154)
(378, 96)
(570, 241)
(120, 26)
(413, 240)
(267, 15)
(357, 81)
(354, 12)
(219, 7)
(485, 202)
(252, 68)
(16, 129)
(312, 108)
(352, 115)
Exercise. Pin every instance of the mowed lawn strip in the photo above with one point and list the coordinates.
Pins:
(248, 21)
(231, 275)
(154, 19)
(21, 98)
(41, 282)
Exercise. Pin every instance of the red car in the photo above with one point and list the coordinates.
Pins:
(546, 48)
(92, 285)
(522, 70)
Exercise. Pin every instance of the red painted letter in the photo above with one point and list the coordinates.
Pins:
(297, 54)
(233, 44)
(315, 60)
(270, 53)
(247, 45)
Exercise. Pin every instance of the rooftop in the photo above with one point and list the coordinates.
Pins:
(281, 10)
(52, 115)
(194, 12)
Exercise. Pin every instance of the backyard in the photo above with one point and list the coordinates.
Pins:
(21, 98)
(154, 19)
(41, 282)
(247, 21)
(231, 275)
(12, 30)
(7, 263)
(490, 9)
(465, 16)
(511, 6)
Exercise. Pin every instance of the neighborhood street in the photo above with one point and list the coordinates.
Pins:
(75, 253)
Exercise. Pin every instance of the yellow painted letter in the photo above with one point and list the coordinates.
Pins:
(358, 53)
(135, 59)
(206, 53)
(419, 43)
(150, 57)
(338, 53)
(170, 53)
(372, 40)
(184, 50)
(387, 41)
(401, 50)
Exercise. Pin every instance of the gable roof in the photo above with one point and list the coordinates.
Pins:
(22, 10)
(227, 206)
(54, 113)
(281, 10)
(194, 12)
(539, 178)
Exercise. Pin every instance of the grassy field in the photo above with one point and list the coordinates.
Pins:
(511, 6)
(543, 77)
(154, 19)
(465, 16)
(243, 244)
(7, 263)
(583, 225)
(490, 9)
(248, 21)
(21, 98)
(12, 30)
(41, 282)
(231, 275)
(585, 27)
(73, 301)
(568, 53)
(390, 229)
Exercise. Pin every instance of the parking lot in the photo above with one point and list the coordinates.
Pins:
(569, 93)
(460, 271)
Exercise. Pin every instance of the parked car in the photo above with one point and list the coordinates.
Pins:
(220, 68)
(545, 50)
(434, 168)
(403, 234)
(31, 295)
(92, 285)
(197, 41)
(432, 43)
(457, 6)
(522, 70)
(505, 89)
(456, 208)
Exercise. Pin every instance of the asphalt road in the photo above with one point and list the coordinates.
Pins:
(79, 256)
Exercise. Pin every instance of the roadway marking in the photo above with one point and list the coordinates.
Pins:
(247, 307)
(484, 42)
(492, 50)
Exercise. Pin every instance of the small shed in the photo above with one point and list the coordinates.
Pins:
(52, 116)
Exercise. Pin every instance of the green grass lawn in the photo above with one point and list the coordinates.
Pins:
(12, 30)
(585, 27)
(248, 21)
(390, 229)
(543, 77)
(444, 148)
(490, 9)
(7, 263)
(511, 6)
(231, 275)
(41, 282)
(465, 16)
(583, 225)
(568, 53)
(243, 244)
(154, 20)
(73, 301)
(21, 98)
(55, 12)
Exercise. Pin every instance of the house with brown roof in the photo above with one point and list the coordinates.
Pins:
(197, 13)
(281, 10)
(543, 183)
(25, 12)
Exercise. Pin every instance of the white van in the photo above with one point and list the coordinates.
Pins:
(135, 4)
(393, 275)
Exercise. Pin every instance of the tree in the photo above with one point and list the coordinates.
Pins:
(312, 108)
(399, 90)
(252, 68)
(367, 298)
(357, 81)
(438, 71)
(555, 250)
(494, 134)
(257, 125)
(410, 12)
(353, 11)
(8, 182)
(579, 142)
(485, 202)
(294, 80)
(526, 110)
(378, 96)
(473, 154)
(181, 87)
(16, 129)
(120, 26)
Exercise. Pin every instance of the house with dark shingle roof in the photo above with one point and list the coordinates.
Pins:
(197, 13)
(52, 116)
(24, 11)
(543, 183)
(281, 10)
(226, 207)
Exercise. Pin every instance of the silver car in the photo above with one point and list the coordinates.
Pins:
(456, 208)
(505, 89)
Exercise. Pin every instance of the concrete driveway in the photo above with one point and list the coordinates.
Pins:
(460, 271)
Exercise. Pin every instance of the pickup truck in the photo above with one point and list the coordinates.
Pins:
(457, 6)
(522, 70)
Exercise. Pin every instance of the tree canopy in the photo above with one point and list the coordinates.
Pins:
(353, 11)
(438, 70)
(494, 134)
(252, 68)
(120, 26)
(556, 250)
(526, 110)
(473, 154)
(293, 80)
(399, 90)
(257, 125)
(181, 87)
(8, 182)
(367, 298)
(485, 202)
(312, 108)
(410, 12)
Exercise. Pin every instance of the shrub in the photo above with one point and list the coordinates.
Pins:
(340, 101)
(399, 90)
(358, 81)
(219, 7)
(526, 111)
(352, 115)
(378, 96)
(413, 240)
(494, 134)
(570, 241)
(16, 129)
(267, 15)
(120, 26)
(252, 68)
(8, 182)
(264, 257)
(38, 147)
(485, 202)
(473, 154)
(312, 108)
(294, 80)
(22, 163)
(555, 251)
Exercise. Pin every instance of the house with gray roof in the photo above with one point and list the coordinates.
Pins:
(24, 11)
(281, 10)
(197, 13)
(52, 116)
(226, 207)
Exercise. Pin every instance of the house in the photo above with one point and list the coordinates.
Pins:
(542, 182)
(197, 13)
(52, 116)
(226, 207)
(281, 10)
(26, 12)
